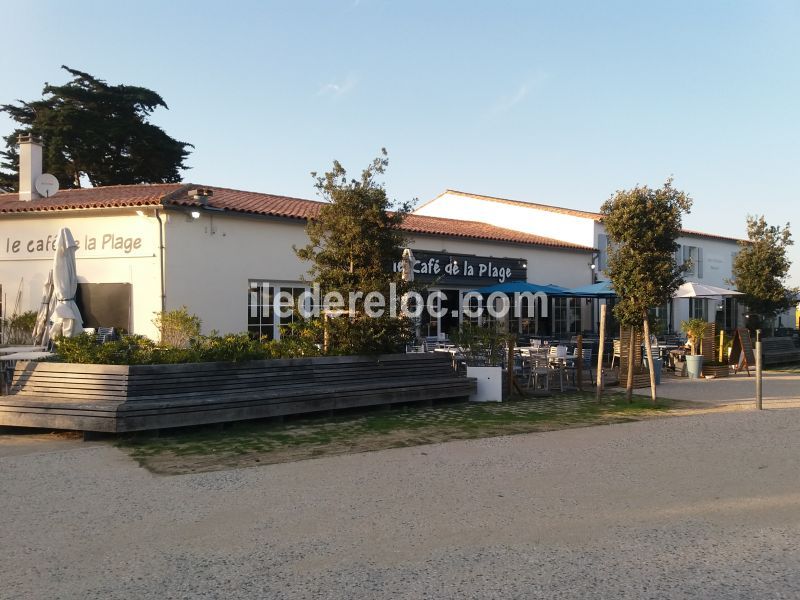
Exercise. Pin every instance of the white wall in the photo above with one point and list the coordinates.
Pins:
(26, 257)
(569, 228)
(211, 259)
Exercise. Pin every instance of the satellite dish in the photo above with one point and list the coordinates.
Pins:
(46, 185)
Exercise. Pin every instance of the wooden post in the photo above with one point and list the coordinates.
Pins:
(513, 384)
(758, 370)
(648, 348)
(579, 364)
(631, 356)
(600, 349)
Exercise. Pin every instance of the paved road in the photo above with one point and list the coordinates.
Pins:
(690, 507)
(779, 389)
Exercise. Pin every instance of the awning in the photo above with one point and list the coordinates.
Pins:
(601, 289)
(520, 287)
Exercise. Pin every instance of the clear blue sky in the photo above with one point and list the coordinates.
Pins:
(560, 103)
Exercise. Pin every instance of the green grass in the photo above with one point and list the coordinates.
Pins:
(272, 441)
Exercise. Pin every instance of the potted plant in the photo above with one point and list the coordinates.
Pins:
(694, 329)
(483, 349)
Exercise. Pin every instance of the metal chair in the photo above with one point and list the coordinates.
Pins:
(539, 373)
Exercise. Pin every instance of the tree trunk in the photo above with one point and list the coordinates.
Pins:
(646, 326)
(600, 348)
(631, 355)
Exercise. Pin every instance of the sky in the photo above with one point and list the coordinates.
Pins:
(558, 103)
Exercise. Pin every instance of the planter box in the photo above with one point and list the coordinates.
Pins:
(118, 398)
(490, 384)
(716, 371)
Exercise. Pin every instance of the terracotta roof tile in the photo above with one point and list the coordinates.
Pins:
(258, 204)
(84, 198)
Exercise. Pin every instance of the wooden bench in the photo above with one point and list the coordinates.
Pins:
(116, 398)
(779, 350)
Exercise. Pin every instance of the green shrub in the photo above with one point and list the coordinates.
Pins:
(18, 329)
(177, 327)
(139, 350)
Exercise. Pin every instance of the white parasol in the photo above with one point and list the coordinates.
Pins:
(408, 265)
(67, 320)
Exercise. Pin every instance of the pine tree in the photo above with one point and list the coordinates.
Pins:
(95, 130)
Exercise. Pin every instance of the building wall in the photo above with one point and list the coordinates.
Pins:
(569, 228)
(211, 260)
(115, 247)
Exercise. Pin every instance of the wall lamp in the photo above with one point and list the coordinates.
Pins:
(195, 214)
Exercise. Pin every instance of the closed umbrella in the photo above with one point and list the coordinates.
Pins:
(408, 265)
(67, 320)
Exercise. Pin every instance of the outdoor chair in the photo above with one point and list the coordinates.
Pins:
(617, 352)
(105, 334)
(539, 374)
(586, 365)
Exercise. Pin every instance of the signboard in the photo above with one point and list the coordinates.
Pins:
(113, 239)
(742, 351)
(444, 268)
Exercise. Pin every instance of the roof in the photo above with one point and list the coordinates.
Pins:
(556, 209)
(594, 216)
(255, 203)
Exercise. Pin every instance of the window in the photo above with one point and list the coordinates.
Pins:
(698, 308)
(731, 313)
(602, 246)
(566, 316)
(694, 256)
(261, 316)
(291, 305)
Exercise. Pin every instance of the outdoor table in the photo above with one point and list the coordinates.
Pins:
(7, 364)
(676, 354)
(15, 349)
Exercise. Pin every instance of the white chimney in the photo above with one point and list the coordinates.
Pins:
(30, 165)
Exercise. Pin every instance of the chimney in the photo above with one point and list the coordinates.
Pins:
(201, 195)
(30, 165)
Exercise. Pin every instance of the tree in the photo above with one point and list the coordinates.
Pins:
(95, 130)
(760, 270)
(643, 225)
(353, 243)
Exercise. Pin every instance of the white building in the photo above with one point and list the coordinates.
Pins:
(711, 256)
(225, 254)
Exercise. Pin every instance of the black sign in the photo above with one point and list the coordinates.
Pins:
(465, 269)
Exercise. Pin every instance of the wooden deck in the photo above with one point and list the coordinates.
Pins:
(113, 398)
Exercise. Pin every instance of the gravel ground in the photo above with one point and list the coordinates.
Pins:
(692, 507)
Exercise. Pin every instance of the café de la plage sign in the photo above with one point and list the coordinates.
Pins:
(464, 269)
